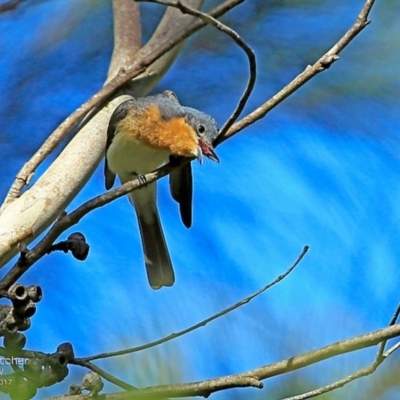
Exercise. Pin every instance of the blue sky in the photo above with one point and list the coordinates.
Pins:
(320, 170)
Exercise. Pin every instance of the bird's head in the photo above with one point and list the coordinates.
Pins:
(206, 129)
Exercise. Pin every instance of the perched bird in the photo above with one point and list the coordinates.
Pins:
(144, 134)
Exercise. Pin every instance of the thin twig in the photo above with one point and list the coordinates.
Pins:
(389, 352)
(103, 374)
(393, 320)
(310, 72)
(379, 358)
(333, 386)
(239, 41)
(204, 322)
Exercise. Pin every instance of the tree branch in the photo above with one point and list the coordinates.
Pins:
(310, 72)
(23, 219)
(254, 377)
(104, 374)
(380, 357)
(127, 35)
(204, 322)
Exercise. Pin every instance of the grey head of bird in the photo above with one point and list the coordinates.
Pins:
(206, 129)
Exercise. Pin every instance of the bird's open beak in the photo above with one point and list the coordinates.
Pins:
(208, 151)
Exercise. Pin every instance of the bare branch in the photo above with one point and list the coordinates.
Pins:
(254, 377)
(393, 320)
(310, 72)
(171, 24)
(207, 320)
(389, 352)
(342, 382)
(104, 374)
(239, 41)
(127, 35)
(380, 357)
(66, 126)
(291, 364)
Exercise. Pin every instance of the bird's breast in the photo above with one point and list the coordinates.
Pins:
(128, 156)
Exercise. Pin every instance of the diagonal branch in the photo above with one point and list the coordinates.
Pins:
(105, 375)
(310, 72)
(370, 369)
(254, 377)
(207, 320)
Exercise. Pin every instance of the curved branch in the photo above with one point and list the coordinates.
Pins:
(104, 374)
(204, 322)
(310, 72)
(239, 41)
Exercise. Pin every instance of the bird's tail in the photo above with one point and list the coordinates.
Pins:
(156, 257)
(158, 262)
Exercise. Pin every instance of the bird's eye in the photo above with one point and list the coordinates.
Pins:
(201, 129)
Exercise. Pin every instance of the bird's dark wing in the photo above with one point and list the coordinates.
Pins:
(181, 187)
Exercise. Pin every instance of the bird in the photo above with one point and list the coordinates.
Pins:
(144, 134)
